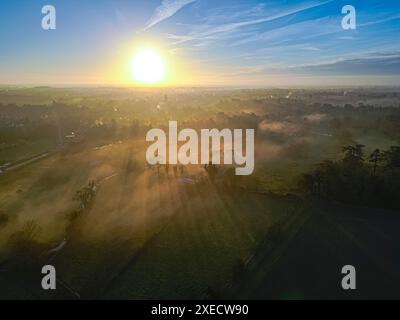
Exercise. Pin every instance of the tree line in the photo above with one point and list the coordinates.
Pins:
(371, 180)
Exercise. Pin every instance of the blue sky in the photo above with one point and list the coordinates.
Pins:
(237, 42)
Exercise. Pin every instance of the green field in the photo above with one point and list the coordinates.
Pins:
(175, 241)
(24, 150)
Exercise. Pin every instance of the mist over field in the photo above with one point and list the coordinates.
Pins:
(86, 201)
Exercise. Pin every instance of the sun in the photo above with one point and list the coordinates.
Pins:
(148, 66)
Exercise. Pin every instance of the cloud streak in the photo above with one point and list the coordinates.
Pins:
(372, 64)
(207, 31)
(368, 64)
(167, 9)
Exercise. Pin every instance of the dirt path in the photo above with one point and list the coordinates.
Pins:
(31, 160)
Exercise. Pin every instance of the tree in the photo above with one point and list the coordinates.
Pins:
(86, 194)
(212, 170)
(392, 157)
(25, 247)
(350, 181)
(375, 158)
(353, 155)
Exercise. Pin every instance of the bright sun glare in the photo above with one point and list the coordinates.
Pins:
(148, 66)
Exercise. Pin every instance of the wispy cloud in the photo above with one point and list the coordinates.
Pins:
(378, 21)
(292, 32)
(166, 10)
(311, 48)
(205, 31)
(374, 65)
(370, 63)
